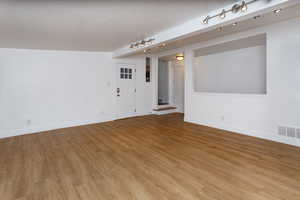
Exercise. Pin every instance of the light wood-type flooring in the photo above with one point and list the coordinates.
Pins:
(147, 158)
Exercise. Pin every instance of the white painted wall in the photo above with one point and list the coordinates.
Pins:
(44, 90)
(163, 81)
(41, 90)
(178, 84)
(238, 71)
(256, 115)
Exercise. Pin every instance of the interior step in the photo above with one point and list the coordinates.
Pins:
(165, 108)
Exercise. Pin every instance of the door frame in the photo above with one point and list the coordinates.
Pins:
(155, 58)
(117, 73)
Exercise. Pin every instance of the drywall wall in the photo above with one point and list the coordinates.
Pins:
(44, 90)
(255, 115)
(177, 93)
(229, 72)
(163, 81)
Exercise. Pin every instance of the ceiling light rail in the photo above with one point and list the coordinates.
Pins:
(141, 43)
(242, 7)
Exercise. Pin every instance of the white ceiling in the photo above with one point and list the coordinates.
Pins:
(92, 25)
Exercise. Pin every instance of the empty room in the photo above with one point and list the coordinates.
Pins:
(150, 100)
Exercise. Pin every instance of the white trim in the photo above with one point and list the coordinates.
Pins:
(155, 58)
(36, 129)
(254, 133)
(230, 94)
(155, 81)
(228, 38)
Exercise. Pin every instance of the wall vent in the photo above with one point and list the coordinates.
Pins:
(291, 132)
(282, 130)
(298, 133)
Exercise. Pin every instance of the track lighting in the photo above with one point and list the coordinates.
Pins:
(141, 43)
(239, 7)
(205, 21)
(244, 7)
(163, 45)
(223, 14)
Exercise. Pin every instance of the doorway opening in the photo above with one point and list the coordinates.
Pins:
(170, 82)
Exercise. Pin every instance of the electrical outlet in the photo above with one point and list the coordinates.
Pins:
(28, 122)
(222, 118)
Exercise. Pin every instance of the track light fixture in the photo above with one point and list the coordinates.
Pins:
(235, 8)
(239, 7)
(244, 7)
(223, 14)
(161, 46)
(205, 21)
(277, 11)
(141, 43)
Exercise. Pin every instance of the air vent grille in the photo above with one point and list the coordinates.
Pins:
(289, 131)
(298, 133)
(282, 130)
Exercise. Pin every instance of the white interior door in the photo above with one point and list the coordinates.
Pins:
(126, 91)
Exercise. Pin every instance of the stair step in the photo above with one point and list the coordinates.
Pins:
(165, 108)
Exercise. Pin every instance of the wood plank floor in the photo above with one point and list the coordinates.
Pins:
(147, 158)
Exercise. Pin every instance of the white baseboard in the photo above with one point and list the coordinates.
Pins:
(259, 134)
(53, 126)
(48, 127)
(254, 133)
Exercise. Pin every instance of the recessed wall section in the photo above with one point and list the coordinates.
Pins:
(237, 66)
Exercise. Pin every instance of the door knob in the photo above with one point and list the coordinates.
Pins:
(118, 92)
